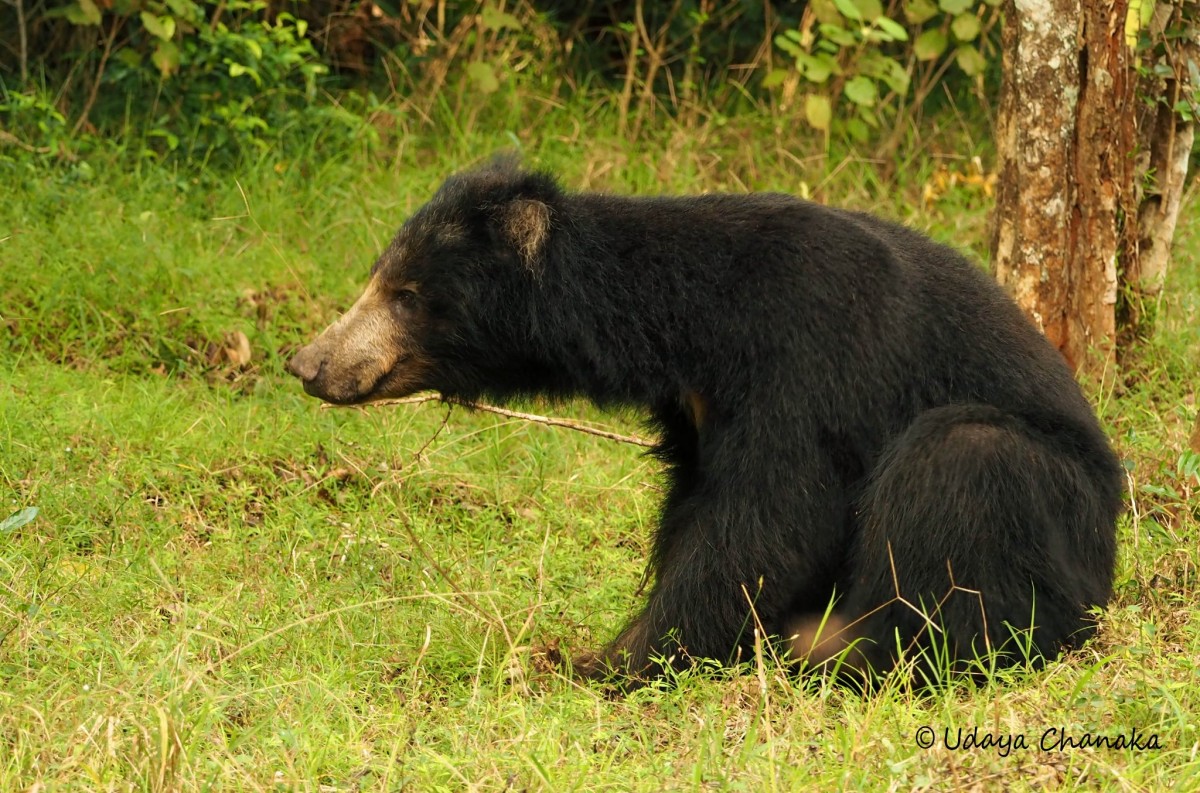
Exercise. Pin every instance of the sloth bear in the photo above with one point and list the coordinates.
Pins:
(871, 454)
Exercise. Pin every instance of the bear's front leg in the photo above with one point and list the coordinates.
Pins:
(701, 610)
(677, 627)
(746, 538)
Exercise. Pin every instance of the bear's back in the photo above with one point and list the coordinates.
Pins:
(801, 297)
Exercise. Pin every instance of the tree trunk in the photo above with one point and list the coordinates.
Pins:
(1065, 133)
(1166, 131)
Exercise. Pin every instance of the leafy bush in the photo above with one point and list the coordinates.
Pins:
(220, 79)
(215, 78)
(853, 54)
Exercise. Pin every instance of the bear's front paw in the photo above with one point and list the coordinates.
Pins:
(591, 665)
(605, 668)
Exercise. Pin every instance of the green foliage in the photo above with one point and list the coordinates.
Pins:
(852, 56)
(1167, 53)
(214, 78)
(216, 81)
(33, 110)
(225, 89)
(18, 519)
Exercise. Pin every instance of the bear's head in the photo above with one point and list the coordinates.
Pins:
(449, 304)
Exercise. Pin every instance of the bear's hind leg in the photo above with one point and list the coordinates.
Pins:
(978, 534)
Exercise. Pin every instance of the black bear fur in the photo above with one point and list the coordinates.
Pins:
(847, 411)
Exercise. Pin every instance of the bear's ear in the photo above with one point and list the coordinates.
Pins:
(525, 224)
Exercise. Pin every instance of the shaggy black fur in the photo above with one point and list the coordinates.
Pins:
(846, 409)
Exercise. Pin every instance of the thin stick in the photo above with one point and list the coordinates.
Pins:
(630, 72)
(8, 137)
(117, 24)
(24, 51)
(512, 414)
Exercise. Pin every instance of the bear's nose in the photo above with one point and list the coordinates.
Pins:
(305, 364)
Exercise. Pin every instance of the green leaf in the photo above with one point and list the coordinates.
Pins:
(774, 78)
(893, 28)
(18, 519)
(494, 19)
(965, 26)
(848, 9)
(955, 7)
(789, 46)
(969, 60)
(858, 130)
(816, 68)
(240, 69)
(166, 58)
(930, 45)
(825, 11)
(186, 10)
(172, 142)
(869, 9)
(83, 12)
(818, 111)
(861, 91)
(919, 11)
(162, 28)
(1147, 9)
(893, 74)
(128, 56)
(483, 76)
(838, 35)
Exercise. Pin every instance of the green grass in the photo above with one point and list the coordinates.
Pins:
(228, 587)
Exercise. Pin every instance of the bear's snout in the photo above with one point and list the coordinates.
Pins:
(305, 364)
(360, 357)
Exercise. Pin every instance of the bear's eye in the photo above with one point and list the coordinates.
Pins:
(407, 297)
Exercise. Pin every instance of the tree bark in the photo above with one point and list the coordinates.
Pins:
(1065, 133)
(1165, 138)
